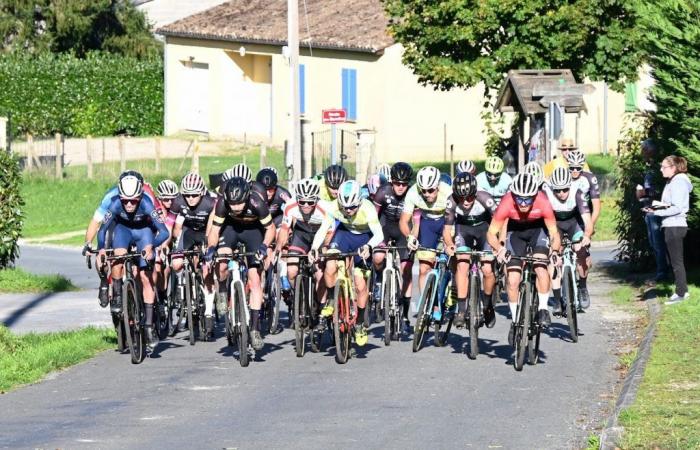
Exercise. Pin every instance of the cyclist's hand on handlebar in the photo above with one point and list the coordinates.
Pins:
(148, 253)
(450, 250)
(261, 253)
(555, 258)
(209, 255)
(312, 256)
(502, 255)
(86, 248)
(412, 242)
(585, 241)
(365, 251)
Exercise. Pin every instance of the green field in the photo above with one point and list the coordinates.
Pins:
(19, 281)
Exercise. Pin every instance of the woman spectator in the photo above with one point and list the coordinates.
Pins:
(675, 202)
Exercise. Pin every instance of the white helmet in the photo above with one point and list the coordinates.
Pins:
(560, 179)
(167, 189)
(576, 158)
(192, 183)
(385, 171)
(524, 185)
(466, 166)
(243, 171)
(349, 194)
(533, 168)
(307, 189)
(428, 178)
(130, 186)
(373, 183)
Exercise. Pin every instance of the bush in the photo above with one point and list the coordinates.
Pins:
(11, 203)
(101, 95)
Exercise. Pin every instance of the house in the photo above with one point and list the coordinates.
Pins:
(226, 74)
(163, 12)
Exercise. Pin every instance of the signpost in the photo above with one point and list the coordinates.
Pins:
(332, 117)
(555, 126)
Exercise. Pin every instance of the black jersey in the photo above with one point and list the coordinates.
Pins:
(255, 210)
(390, 205)
(276, 205)
(195, 218)
(480, 211)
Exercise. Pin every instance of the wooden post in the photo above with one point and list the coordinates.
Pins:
(104, 152)
(263, 156)
(195, 156)
(157, 154)
(59, 156)
(122, 154)
(452, 160)
(88, 145)
(30, 152)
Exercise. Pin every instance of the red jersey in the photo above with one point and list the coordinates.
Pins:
(540, 212)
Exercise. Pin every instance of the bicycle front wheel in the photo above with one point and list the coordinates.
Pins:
(567, 289)
(522, 327)
(189, 302)
(132, 322)
(388, 303)
(341, 326)
(300, 314)
(424, 312)
(474, 315)
(239, 321)
(533, 342)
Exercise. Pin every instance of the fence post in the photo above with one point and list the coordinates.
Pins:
(88, 150)
(195, 156)
(263, 156)
(30, 152)
(157, 154)
(59, 156)
(452, 160)
(122, 154)
(104, 153)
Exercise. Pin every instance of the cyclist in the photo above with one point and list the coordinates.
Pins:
(389, 201)
(466, 165)
(467, 216)
(586, 182)
(535, 169)
(384, 172)
(137, 222)
(333, 177)
(193, 208)
(241, 216)
(531, 223)
(237, 170)
(569, 204)
(428, 200)
(493, 179)
(566, 146)
(276, 195)
(354, 227)
(369, 190)
(167, 192)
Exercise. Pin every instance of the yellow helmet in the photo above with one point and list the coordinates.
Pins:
(494, 164)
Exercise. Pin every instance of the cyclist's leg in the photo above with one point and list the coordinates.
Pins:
(540, 248)
(518, 247)
(227, 241)
(463, 242)
(429, 235)
(143, 238)
(120, 242)
(488, 275)
(103, 273)
(252, 237)
(583, 265)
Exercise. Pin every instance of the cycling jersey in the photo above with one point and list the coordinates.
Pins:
(587, 183)
(574, 204)
(276, 204)
(497, 191)
(145, 216)
(113, 192)
(323, 191)
(548, 168)
(541, 211)
(304, 226)
(364, 221)
(389, 205)
(255, 210)
(480, 211)
(194, 218)
(434, 210)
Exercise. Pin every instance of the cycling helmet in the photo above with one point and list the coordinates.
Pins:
(560, 179)
(428, 178)
(268, 178)
(307, 189)
(384, 170)
(237, 190)
(335, 175)
(227, 175)
(130, 186)
(464, 185)
(533, 168)
(192, 183)
(466, 166)
(446, 178)
(576, 158)
(272, 169)
(349, 194)
(401, 172)
(167, 189)
(494, 164)
(243, 171)
(524, 185)
(133, 173)
(373, 183)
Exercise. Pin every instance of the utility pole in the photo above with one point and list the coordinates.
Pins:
(294, 156)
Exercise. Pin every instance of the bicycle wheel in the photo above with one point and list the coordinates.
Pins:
(161, 316)
(240, 323)
(567, 289)
(316, 337)
(388, 302)
(132, 322)
(424, 312)
(175, 310)
(119, 328)
(533, 341)
(300, 315)
(189, 304)
(522, 327)
(474, 316)
(341, 328)
(276, 296)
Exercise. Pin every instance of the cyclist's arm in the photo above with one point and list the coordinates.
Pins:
(450, 216)
(498, 222)
(376, 229)
(595, 203)
(404, 222)
(162, 233)
(287, 223)
(92, 229)
(585, 213)
(177, 229)
(320, 236)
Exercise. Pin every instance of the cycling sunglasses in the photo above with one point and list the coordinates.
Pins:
(306, 202)
(575, 168)
(130, 201)
(428, 191)
(399, 183)
(492, 176)
(190, 195)
(524, 201)
(350, 208)
(469, 199)
(559, 191)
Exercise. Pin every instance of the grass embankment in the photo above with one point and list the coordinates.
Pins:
(666, 412)
(19, 281)
(28, 358)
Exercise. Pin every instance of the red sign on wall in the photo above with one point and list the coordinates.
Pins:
(334, 116)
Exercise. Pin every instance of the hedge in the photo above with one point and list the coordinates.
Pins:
(100, 95)
(11, 203)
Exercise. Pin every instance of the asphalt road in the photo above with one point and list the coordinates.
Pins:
(385, 397)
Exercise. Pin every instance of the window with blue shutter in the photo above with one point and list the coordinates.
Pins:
(302, 88)
(349, 77)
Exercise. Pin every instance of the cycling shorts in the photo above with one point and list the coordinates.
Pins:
(470, 237)
(142, 237)
(569, 228)
(301, 241)
(189, 238)
(251, 235)
(429, 235)
(392, 232)
(347, 242)
(518, 241)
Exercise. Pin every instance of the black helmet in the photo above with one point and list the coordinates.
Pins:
(267, 177)
(464, 185)
(401, 172)
(132, 173)
(335, 175)
(237, 190)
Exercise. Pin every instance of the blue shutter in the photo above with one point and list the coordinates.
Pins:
(349, 78)
(302, 88)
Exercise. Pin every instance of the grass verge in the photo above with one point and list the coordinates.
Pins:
(666, 412)
(18, 281)
(28, 358)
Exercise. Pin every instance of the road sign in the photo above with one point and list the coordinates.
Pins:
(565, 89)
(556, 121)
(334, 116)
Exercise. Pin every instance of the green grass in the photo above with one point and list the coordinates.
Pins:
(18, 281)
(607, 221)
(601, 164)
(54, 207)
(666, 413)
(28, 358)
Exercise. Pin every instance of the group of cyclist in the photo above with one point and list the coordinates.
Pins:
(421, 213)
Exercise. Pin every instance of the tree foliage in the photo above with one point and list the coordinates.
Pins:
(75, 26)
(461, 43)
(11, 203)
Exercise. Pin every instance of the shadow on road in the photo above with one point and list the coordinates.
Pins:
(19, 313)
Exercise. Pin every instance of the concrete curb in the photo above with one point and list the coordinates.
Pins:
(604, 244)
(48, 245)
(612, 433)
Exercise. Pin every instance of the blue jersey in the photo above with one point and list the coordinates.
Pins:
(145, 215)
(497, 191)
(104, 204)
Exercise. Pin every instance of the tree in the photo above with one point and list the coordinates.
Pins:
(461, 43)
(11, 203)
